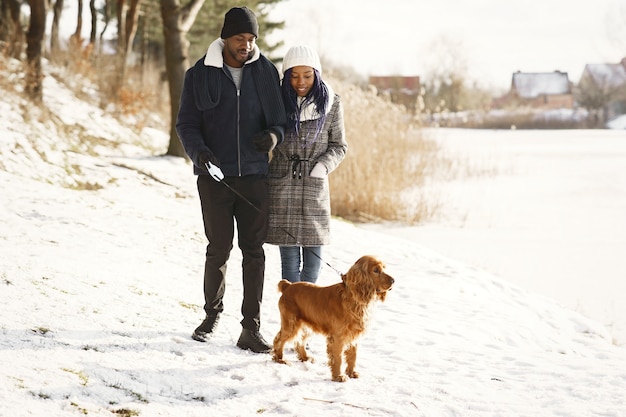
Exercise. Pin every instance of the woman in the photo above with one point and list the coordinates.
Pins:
(314, 146)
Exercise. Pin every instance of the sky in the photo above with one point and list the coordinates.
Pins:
(490, 38)
(102, 287)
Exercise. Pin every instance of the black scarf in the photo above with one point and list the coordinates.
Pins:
(207, 82)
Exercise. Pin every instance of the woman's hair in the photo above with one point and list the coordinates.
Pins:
(318, 97)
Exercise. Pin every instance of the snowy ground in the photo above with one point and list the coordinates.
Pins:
(552, 220)
(101, 289)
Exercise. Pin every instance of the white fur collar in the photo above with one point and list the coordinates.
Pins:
(214, 56)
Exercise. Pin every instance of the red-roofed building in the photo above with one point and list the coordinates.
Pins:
(402, 90)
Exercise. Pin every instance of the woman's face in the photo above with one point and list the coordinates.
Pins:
(302, 78)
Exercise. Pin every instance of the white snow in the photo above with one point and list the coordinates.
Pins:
(548, 215)
(101, 289)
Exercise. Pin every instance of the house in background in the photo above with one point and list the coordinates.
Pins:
(603, 87)
(400, 89)
(538, 90)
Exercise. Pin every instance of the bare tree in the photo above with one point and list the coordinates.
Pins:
(94, 21)
(10, 27)
(127, 16)
(54, 30)
(446, 78)
(177, 21)
(107, 19)
(76, 37)
(34, 38)
(596, 91)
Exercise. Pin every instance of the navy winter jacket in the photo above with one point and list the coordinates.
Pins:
(214, 116)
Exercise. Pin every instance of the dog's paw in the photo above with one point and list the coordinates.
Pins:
(353, 374)
(281, 360)
(306, 358)
(340, 378)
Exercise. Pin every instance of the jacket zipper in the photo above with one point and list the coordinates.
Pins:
(238, 135)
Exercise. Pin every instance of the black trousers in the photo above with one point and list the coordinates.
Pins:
(221, 210)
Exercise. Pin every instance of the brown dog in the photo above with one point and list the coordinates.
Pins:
(339, 311)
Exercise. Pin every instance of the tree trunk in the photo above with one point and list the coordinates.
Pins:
(54, 31)
(11, 29)
(107, 18)
(132, 17)
(34, 38)
(94, 22)
(177, 21)
(127, 16)
(121, 11)
(77, 37)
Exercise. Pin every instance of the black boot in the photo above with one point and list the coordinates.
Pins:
(252, 340)
(204, 331)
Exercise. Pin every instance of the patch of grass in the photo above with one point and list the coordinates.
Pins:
(41, 330)
(85, 186)
(41, 395)
(80, 409)
(19, 382)
(93, 348)
(125, 412)
(136, 395)
(190, 306)
(84, 378)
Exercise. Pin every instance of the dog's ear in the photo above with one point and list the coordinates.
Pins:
(359, 281)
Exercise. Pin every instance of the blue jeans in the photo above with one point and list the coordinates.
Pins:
(291, 258)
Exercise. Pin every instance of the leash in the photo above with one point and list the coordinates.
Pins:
(216, 173)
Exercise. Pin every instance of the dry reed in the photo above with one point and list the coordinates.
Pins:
(386, 158)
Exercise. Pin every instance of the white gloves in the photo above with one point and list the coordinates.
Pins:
(318, 171)
(215, 171)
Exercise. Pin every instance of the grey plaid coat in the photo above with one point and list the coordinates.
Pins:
(300, 204)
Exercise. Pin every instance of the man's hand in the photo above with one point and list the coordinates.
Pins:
(210, 164)
(265, 141)
(205, 157)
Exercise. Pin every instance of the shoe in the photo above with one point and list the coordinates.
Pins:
(204, 331)
(252, 340)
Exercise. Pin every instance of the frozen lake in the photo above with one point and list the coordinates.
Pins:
(552, 220)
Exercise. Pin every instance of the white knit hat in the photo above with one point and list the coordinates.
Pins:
(301, 55)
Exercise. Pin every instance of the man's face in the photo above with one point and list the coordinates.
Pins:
(238, 49)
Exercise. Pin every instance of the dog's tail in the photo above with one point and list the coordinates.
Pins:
(283, 284)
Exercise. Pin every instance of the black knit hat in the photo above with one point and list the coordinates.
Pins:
(239, 20)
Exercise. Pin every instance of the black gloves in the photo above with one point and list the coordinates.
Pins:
(265, 141)
(205, 157)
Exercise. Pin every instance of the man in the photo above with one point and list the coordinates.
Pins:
(231, 116)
